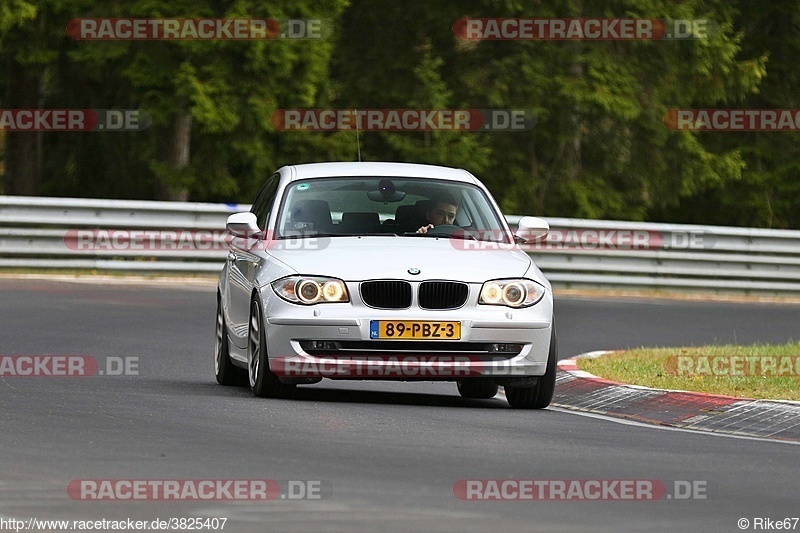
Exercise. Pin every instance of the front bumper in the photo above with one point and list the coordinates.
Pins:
(333, 341)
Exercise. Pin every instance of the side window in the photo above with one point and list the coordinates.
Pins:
(266, 198)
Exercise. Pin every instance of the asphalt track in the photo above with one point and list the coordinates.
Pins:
(387, 454)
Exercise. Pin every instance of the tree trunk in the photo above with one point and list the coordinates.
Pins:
(574, 158)
(22, 172)
(175, 151)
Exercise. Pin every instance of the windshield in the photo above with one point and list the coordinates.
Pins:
(388, 206)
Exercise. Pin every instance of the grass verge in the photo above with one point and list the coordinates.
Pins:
(759, 371)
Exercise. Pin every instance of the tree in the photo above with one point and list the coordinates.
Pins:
(600, 147)
(28, 54)
(210, 101)
(768, 193)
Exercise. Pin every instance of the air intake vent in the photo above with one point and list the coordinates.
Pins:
(442, 294)
(386, 294)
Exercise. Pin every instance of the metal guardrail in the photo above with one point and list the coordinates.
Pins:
(44, 233)
(677, 256)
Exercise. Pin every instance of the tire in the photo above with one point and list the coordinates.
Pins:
(263, 382)
(540, 395)
(477, 388)
(224, 370)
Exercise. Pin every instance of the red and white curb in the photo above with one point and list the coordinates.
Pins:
(581, 391)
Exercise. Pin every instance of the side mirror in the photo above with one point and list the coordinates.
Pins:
(531, 229)
(243, 224)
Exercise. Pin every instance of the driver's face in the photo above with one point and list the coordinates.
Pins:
(442, 214)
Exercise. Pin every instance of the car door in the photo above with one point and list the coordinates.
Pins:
(243, 263)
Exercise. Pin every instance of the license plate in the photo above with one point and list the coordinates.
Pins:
(412, 329)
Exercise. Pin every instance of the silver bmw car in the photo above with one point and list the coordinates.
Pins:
(384, 271)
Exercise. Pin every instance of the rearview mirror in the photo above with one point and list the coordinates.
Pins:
(243, 224)
(386, 192)
(531, 229)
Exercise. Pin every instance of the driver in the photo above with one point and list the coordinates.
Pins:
(442, 211)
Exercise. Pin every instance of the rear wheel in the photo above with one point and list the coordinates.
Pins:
(263, 382)
(477, 388)
(224, 369)
(540, 395)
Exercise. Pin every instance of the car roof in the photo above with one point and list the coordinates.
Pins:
(374, 169)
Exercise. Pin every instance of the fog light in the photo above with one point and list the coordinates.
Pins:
(505, 348)
(323, 345)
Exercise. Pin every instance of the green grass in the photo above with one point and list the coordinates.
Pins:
(685, 369)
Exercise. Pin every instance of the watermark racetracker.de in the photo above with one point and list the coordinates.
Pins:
(59, 366)
(579, 490)
(580, 29)
(733, 119)
(74, 120)
(134, 241)
(198, 489)
(503, 362)
(587, 240)
(403, 119)
(196, 29)
(733, 365)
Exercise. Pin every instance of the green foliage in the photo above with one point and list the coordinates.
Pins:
(600, 147)
(14, 13)
(228, 88)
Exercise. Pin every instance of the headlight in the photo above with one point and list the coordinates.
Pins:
(310, 290)
(511, 292)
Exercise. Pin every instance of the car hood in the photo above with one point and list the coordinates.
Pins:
(368, 257)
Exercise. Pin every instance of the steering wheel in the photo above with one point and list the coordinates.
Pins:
(445, 230)
(450, 230)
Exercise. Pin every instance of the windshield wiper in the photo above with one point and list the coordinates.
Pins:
(311, 235)
(369, 234)
(463, 236)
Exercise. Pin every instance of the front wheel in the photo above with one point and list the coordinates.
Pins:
(540, 395)
(263, 382)
(224, 369)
